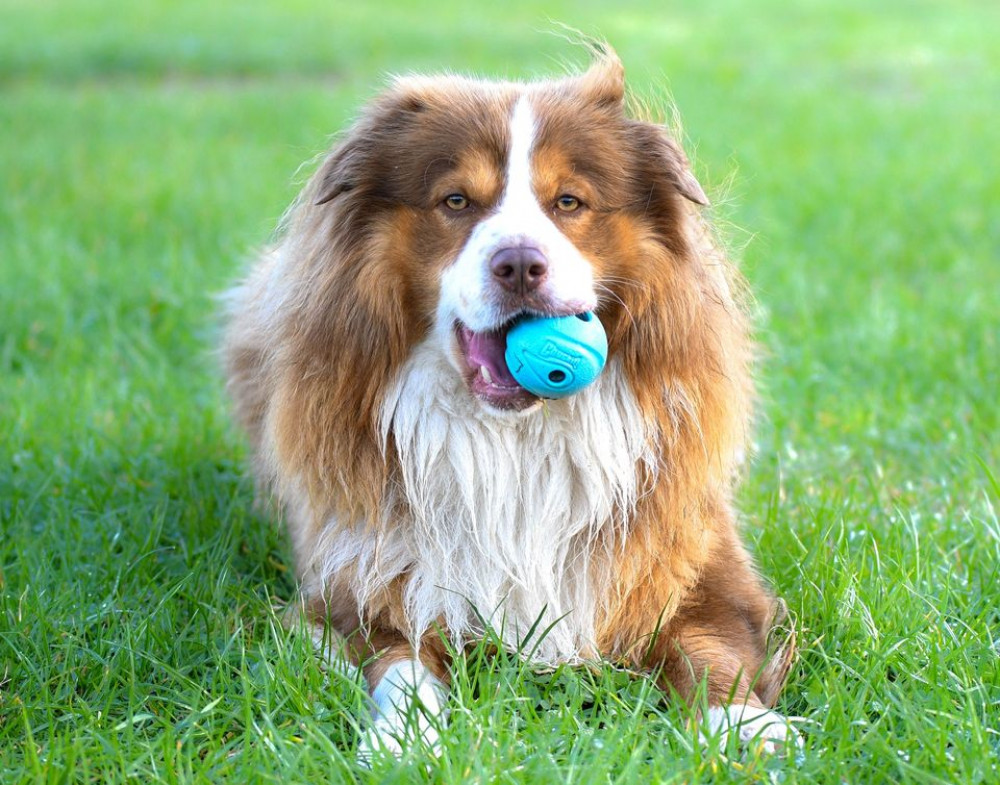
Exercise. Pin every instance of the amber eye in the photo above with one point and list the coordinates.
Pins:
(456, 202)
(567, 203)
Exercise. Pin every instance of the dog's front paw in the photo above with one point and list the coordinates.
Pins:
(378, 739)
(407, 710)
(757, 729)
(390, 738)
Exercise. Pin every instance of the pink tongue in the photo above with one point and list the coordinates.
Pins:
(487, 349)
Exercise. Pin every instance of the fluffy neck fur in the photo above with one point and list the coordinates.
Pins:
(510, 519)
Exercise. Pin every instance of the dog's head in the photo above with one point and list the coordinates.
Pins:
(454, 206)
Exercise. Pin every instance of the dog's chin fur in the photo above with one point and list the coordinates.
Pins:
(417, 509)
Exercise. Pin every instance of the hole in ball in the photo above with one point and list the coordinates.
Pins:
(557, 376)
(586, 316)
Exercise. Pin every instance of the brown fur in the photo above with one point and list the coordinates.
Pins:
(362, 252)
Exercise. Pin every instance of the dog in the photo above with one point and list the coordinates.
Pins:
(427, 494)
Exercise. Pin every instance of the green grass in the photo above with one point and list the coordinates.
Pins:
(148, 147)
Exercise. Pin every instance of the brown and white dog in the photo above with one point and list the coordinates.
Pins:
(426, 491)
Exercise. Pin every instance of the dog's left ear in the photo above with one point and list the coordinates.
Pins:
(657, 149)
(604, 82)
(680, 169)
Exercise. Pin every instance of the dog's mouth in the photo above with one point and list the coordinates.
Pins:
(487, 374)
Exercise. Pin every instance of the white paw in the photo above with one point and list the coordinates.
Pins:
(762, 730)
(407, 709)
(390, 737)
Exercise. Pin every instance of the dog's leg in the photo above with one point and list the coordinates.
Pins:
(408, 690)
(705, 655)
(755, 727)
(719, 638)
(714, 647)
(407, 702)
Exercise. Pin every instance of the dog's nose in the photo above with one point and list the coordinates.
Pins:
(519, 268)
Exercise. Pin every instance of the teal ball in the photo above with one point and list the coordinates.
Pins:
(553, 357)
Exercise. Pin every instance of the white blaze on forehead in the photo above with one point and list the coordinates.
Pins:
(518, 191)
(468, 291)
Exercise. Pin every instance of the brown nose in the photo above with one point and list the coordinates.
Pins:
(519, 268)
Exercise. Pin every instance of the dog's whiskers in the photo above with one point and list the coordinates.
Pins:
(614, 296)
(623, 281)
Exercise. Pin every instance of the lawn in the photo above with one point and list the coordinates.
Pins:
(145, 150)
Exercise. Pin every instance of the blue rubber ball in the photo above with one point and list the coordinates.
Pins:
(553, 357)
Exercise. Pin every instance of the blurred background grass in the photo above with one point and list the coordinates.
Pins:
(146, 148)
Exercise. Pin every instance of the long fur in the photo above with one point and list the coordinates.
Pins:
(411, 507)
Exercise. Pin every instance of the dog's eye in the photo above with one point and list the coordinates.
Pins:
(456, 202)
(567, 203)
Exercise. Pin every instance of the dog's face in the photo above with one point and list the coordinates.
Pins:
(480, 202)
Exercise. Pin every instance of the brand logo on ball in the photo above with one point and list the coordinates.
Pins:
(550, 350)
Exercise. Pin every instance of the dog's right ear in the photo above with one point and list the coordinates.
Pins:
(387, 117)
(335, 174)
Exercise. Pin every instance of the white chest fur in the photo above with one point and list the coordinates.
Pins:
(504, 512)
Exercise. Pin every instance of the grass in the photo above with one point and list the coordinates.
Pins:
(148, 147)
